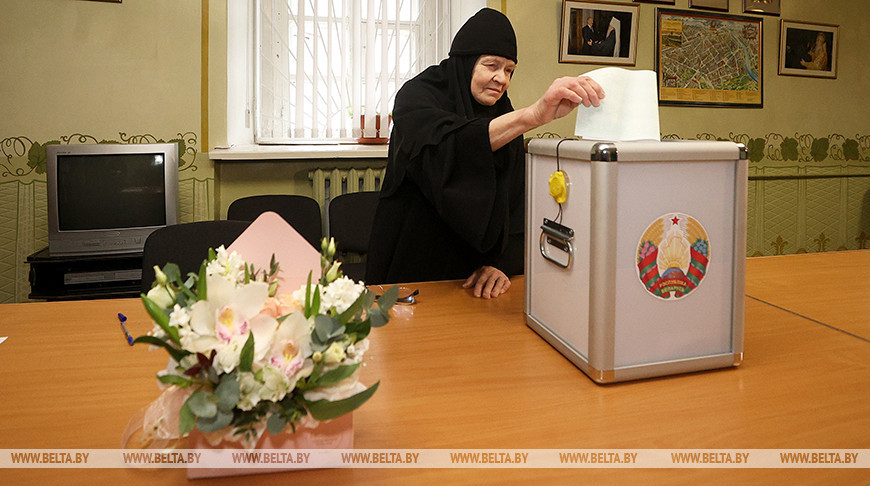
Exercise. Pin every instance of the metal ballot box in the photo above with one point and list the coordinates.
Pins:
(640, 271)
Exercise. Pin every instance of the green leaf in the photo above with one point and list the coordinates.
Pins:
(160, 317)
(228, 392)
(212, 255)
(186, 418)
(315, 301)
(388, 300)
(203, 404)
(360, 329)
(327, 410)
(324, 327)
(308, 312)
(334, 376)
(219, 421)
(378, 317)
(176, 380)
(276, 424)
(201, 286)
(172, 272)
(247, 354)
(175, 353)
(354, 308)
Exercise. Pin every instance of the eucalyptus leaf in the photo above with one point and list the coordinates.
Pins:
(247, 354)
(378, 317)
(228, 393)
(369, 298)
(219, 421)
(203, 404)
(172, 272)
(360, 329)
(324, 327)
(275, 424)
(186, 418)
(327, 410)
(388, 299)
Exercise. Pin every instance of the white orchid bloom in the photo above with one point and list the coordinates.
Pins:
(224, 320)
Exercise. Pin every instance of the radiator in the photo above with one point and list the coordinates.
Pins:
(328, 183)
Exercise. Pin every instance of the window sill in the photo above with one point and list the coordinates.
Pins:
(271, 152)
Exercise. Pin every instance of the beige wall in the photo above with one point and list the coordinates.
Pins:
(99, 68)
(77, 71)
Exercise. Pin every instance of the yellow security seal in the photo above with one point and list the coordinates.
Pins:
(558, 187)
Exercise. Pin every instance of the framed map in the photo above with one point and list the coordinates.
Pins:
(708, 59)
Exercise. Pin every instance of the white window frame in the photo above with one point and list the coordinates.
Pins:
(241, 64)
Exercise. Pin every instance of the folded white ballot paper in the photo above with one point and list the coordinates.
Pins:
(629, 110)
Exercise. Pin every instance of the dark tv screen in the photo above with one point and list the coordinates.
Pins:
(110, 191)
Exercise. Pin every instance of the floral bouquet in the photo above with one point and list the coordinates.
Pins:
(245, 358)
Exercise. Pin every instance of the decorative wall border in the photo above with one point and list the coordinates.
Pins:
(807, 193)
(24, 157)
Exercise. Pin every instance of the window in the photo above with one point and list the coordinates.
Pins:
(320, 64)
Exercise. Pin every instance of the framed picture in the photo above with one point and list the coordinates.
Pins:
(808, 49)
(708, 59)
(599, 33)
(770, 7)
(709, 4)
(667, 2)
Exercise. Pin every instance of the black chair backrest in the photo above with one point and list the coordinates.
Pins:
(186, 245)
(350, 220)
(302, 212)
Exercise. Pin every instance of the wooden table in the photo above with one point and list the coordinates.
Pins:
(464, 373)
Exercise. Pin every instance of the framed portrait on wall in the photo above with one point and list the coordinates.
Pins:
(808, 49)
(769, 7)
(708, 59)
(709, 4)
(599, 33)
(666, 2)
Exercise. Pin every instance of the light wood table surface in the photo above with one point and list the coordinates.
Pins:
(832, 288)
(464, 373)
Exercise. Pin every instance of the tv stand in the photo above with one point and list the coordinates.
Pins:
(84, 277)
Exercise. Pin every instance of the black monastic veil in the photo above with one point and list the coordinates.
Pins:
(449, 204)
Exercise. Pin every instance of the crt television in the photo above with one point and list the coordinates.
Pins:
(107, 198)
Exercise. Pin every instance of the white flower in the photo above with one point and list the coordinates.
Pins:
(223, 322)
(228, 265)
(161, 296)
(291, 347)
(356, 351)
(333, 354)
(340, 294)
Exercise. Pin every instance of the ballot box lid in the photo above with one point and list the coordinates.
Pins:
(638, 151)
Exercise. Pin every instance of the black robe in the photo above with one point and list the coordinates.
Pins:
(448, 203)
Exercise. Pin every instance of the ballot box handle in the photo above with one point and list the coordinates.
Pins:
(554, 235)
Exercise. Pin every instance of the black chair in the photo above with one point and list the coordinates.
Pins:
(302, 212)
(351, 217)
(186, 245)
